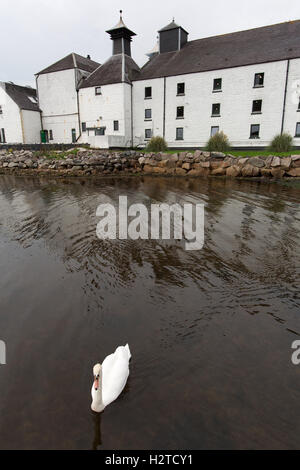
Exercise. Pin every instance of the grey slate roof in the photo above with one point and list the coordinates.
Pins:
(111, 72)
(72, 61)
(171, 25)
(254, 46)
(20, 95)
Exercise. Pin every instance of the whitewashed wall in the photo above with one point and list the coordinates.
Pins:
(292, 114)
(156, 103)
(31, 126)
(236, 100)
(114, 104)
(10, 120)
(58, 102)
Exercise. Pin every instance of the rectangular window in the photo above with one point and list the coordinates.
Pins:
(180, 89)
(2, 136)
(214, 130)
(98, 90)
(217, 84)
(180, 112)
(148, 133)
(116, 125)
(298, 105)
(259, 79)
(256, 106)
(1, 110)
(148, 92)
(83, 126)
(148, 114)
(179, 133)
(50, 135)
(297, 130)
(216, 109)
(254, 131)
(100, 130)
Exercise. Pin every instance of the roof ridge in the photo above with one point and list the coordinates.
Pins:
(242, 31)
(228, 51)
(74, 60)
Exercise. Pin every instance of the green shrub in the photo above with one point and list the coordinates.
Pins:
(157, 144)
(218, 143)
(282, 143)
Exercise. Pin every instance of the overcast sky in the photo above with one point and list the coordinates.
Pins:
(37, 33)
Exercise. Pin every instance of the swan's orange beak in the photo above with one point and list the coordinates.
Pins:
(96, 383)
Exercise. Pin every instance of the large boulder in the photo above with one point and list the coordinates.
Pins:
(221, 171)
(257, 162)
(266, 172)
(180, 172)
(286, 163)
(217, 155)
(277, 173)
(294, 172)
(249, 170)
(186, 166)
(269, 161)
(199, 172)
(295, 161)
(242, 161)
(276, 162)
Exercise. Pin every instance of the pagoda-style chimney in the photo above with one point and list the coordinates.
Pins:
(121, 37)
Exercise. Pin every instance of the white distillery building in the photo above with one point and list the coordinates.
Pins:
(20, 116)
(57, 88)
(246, 84)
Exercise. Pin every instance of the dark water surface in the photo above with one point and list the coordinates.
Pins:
(210, 331)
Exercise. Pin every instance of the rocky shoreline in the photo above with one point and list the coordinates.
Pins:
(87, 162)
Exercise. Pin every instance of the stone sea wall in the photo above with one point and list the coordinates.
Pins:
(86, 162)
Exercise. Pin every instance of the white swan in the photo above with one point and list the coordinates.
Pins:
(110, 378)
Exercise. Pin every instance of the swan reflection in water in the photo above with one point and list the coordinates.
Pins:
(97, 442)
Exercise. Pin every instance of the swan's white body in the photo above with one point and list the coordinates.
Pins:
(110, 378)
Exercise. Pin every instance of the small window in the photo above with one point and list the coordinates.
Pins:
(180, 89)
(254, 131)
(116, 125)
(179, 133)
(298, 106)
(83, 126)
(216, 109)
(259, 80)
(50, 135)
(148, 133)
(297, 130)
(2, 136)
(180, 112)
(256, 106)
(1, 110)
(217, 84)
(214, 130)
(32, 99)
(100, 131)
(148, 92)
(98, 90)
(148, 114)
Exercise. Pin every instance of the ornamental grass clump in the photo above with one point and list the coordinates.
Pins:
(157, 144)
(218, 143)
(282, 143)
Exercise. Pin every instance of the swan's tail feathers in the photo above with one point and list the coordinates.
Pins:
(128, 351)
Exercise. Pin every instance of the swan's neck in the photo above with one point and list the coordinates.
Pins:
(97, 404)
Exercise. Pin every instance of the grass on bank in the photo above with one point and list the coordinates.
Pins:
(56, 155)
